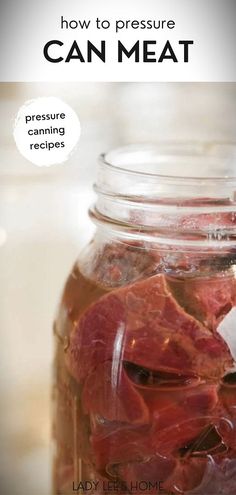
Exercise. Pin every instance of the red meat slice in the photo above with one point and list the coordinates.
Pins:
(172, 427)
(109, 393)
(143, 324)
(181, 432)
(173, 476)
(207, 299)
(93, 337)
(188, 475)
(117, 443)
(173, 418)
(154, 471)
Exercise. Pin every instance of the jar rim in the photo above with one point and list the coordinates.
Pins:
(214, 162)
(173, 208)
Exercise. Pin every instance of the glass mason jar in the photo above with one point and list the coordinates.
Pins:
(145, 377)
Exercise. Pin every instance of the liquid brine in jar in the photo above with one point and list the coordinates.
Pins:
(145, 376)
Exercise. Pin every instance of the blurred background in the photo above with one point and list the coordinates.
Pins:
(44, 224)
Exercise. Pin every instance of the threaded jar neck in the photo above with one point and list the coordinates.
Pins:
(171, 192)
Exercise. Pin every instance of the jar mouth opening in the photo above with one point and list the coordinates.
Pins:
(195, 162)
